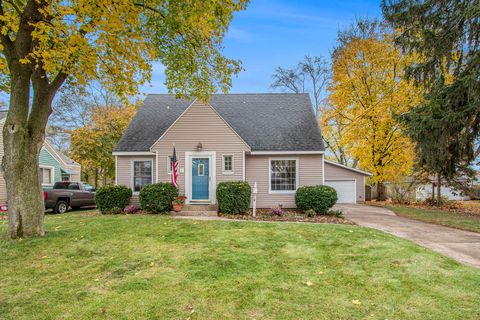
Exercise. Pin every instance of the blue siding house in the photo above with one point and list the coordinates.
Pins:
(54, 165)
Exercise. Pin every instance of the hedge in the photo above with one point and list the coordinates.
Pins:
(158, 197)
(233, 197)
(318, 198)
(112, 199)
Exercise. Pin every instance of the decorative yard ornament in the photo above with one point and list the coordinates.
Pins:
(254, 193)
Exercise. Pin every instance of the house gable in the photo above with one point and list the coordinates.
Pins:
(47, 160)
(200, 124)
(199, 118)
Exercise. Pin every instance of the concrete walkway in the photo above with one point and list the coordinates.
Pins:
(463, 246)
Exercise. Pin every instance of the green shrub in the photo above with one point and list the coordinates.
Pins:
(112, 199)
(233, 197)
(158, 197)
(318, 198)
(310, 213)
(335, 213)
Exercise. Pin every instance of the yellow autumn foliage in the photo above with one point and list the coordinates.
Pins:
(368, 90)
(92, 145)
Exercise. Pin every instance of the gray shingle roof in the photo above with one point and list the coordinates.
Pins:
(267, 122)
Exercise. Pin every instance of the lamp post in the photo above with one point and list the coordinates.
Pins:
(254, 193)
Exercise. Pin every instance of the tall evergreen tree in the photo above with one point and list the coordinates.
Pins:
(445, 34)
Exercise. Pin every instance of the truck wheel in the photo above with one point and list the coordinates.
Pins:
(61, 207)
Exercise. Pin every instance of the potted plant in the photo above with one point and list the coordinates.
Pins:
(178, 203)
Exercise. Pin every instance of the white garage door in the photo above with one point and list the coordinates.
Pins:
(345, 190)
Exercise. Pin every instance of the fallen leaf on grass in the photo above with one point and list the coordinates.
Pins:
(320, 272)
(357, 302)
(309, 283)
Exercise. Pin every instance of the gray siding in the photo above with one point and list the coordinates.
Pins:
(310, 172)
(333, 172)
(200, 124)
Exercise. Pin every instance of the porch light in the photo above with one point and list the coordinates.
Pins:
(199, 146)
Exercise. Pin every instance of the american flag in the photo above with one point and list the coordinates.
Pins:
(174, 168)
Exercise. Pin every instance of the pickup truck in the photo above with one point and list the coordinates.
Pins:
(67, 194)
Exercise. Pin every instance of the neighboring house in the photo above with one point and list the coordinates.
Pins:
(269, 139)
(422, 190)
(54, 165)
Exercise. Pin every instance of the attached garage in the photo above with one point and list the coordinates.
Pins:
(345, 190)
(348, 182)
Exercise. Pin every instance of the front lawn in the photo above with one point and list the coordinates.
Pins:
(146, 266)
(441, 217)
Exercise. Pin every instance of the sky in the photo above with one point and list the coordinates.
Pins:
(276, 33)
(273, 33)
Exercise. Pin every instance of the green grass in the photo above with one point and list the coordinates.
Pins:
(444, 218)
(135, 267)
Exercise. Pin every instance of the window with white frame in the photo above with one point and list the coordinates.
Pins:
(142, 174)
(283, 175)
(46, 176)
(169, 164)
(227, 166)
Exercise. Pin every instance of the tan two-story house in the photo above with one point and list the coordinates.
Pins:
(272, 140)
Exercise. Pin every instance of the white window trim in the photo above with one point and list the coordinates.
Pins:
(169, 166)
(200, 173)
(211, 172)
(132, 172)
(223, 164)
(297, 174)
(52, 175)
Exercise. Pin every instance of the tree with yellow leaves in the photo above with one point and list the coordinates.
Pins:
(92, 145)
(368, 91)
(44, 43)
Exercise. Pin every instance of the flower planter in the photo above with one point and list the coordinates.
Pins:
(177, 207)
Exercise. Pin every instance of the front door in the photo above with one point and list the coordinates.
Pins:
(200, 179)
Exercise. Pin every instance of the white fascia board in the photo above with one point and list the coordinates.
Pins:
(133, 153)
(348, 168)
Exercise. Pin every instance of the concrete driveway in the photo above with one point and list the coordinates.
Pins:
(463, 246)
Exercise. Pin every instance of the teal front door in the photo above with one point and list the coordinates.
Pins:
(200, 179)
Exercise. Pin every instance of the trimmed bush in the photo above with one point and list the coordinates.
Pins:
(317, 198)
(112, 199)
(233, 197)
(158, 197)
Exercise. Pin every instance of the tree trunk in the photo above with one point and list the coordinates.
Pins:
(439, 186)
(20, 163)
(96, 178)
(433, 193)
(381, 191)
